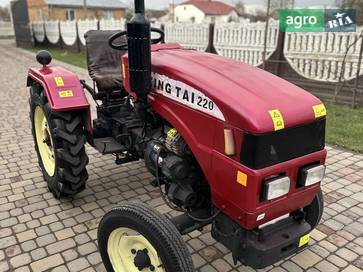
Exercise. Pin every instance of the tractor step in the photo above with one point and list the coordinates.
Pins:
(108, 145)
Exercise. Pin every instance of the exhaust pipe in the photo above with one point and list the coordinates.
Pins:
(139, 50)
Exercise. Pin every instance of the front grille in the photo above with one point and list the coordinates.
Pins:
(263, 150)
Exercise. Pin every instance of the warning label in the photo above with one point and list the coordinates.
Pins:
(65, 93)
(277, 119)
(319, 110)
(59, 81)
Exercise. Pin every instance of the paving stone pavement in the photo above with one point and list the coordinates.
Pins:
(40, 233)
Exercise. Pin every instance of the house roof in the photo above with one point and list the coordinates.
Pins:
(211, 7)
(90, 3)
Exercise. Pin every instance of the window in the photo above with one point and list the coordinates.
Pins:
(108, 14)
(40, 14)
(192, 19)
(70, 14)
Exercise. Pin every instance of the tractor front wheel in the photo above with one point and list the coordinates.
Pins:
(314, 211)
(134, 237)
(59, 143)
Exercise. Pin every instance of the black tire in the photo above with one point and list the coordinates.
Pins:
(68, 139)
(153, 226)
(314, 211)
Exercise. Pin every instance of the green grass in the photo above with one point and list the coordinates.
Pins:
(77, 59)
(344, 125)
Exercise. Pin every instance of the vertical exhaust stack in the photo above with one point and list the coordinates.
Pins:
(139, 41)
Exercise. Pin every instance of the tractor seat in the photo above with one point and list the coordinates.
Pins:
(104, 63)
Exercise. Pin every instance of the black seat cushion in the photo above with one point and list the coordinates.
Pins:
(104, 63)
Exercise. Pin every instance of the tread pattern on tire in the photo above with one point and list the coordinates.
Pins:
(68, 141)
(315, 210)
(162, 228)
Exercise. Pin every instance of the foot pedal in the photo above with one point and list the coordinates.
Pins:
(108, 145)
(125, 158)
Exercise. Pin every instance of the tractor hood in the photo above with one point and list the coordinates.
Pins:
(242, 93)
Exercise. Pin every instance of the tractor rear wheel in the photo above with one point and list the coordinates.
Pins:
(314, 211)
(134, 237)
(59, 142)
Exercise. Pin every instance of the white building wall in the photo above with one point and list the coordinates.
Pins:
(231, 17)
(191, 14)
(234, 16)
(188, 14)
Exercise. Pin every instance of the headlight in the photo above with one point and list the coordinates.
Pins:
(276, 187)
(311, 175)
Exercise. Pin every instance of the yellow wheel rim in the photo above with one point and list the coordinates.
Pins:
(122, 247)
(44, 141)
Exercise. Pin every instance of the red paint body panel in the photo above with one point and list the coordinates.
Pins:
(45, 76)
(243, 202)
(244, 94)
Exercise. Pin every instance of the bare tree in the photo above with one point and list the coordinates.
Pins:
(355, 4)
(280, 4)
(240, 7)
(260, 16)
(129, 13)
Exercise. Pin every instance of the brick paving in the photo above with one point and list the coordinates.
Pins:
(40, 233)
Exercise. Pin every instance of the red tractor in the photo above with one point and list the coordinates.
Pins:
(229, 145)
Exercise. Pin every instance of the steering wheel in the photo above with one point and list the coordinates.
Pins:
(123, 45)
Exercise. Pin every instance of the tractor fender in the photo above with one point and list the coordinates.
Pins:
(63, 90)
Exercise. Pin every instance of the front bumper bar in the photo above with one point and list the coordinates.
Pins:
(274, 247)
(261, 248)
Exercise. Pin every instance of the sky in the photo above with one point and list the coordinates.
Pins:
(159, 4)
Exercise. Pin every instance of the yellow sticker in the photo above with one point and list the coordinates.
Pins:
(241, 178)
(304, 240)
(277, 119)
(319, 110)
(123, 71)
(172, 132)
(65, 93)
(59, 81)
